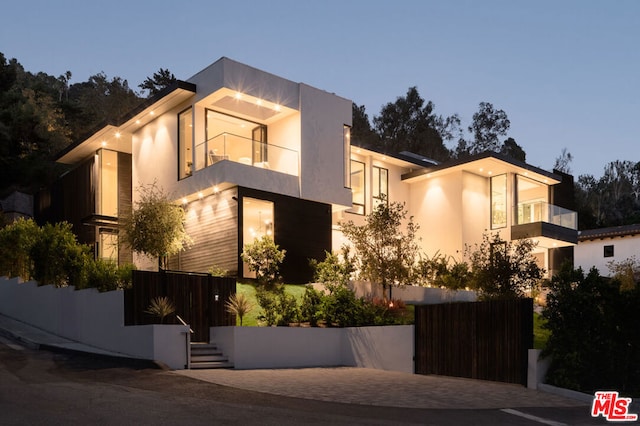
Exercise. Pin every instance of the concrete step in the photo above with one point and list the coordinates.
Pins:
(207, 355)
(203, 365)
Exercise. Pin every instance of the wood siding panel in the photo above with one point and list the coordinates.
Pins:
(480, 340)
(212, 223)
(125, 254)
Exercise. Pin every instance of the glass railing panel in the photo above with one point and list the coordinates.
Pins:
(539, 211)
(227, 146)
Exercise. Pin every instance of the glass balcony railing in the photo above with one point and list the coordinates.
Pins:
(540, 211)
(227, 146)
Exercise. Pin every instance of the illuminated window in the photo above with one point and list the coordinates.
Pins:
(498, 201)
(346, 141)
(357, 187)
(380, 185)
(257, 221)
(185, 143)
(107, 193)
(108, 245)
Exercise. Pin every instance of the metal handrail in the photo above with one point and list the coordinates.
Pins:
(184, 323)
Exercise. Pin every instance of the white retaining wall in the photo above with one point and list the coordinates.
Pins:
(385, 348)
(93, 318)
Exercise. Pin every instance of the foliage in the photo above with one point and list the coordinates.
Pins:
(161, 79)
(595, 333)
(442, 271)
(218, 271)
(267, 301)
(504, 269)
(238, 305)
(264, 257)
(16, 241)
(161, 307)
(409, 124)
(540, 331)
(105, 275)
(311, 306)
(155, 226)
(562, 162)
(382, 252)
(626, 271)
(341, 308)
(487, 126)
(334, 269)
(58, 258)
(288, 310)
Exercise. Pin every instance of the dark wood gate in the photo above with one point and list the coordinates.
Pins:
(199, 300)
(479, 340)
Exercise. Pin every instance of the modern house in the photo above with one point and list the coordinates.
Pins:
(249, 154)
(597, 247)
(454, 203)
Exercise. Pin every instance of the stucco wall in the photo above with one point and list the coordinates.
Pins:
(386, 348)
(588, 254)
(92, 318)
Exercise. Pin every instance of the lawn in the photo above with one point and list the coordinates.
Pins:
(251, 318)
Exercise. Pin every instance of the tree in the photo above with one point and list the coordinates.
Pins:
(562, 162)
(504, 269)
(362, 134)
(487, 126)
(409, 124)
(155, 226)
(161, 79)
(383, 253)
(511, 148)
(264, 257)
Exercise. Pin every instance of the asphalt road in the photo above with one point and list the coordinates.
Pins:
(46, 388)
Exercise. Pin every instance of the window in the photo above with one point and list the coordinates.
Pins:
(107, 194)
(257, 221)
(498, 201)
(380, 185)
(185, 143)
(532, 199)
(108, 245)
(357, 187)
(608, 251)
(346, 141)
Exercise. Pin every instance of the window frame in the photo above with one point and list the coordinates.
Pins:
(361, 207)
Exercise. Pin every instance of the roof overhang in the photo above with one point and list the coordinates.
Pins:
(486, 164)
(117, 135)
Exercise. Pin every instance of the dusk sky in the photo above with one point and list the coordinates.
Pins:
(567, 73)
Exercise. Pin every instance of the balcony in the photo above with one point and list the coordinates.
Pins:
(238, 149)
(551, 225)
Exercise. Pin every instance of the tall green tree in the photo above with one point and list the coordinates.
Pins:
(155, 226)
(362, 134)
(382, 251)
(488, 125)
(410, 124)
(161, 79)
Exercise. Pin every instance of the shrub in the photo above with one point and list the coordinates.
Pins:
(107, 276)
(161, 307)
(595, 333)
(264, 257)
(16, 241)
(334, 269)
(217, 271)
(311, 306)
(238, 305)
(58, 258)
(267, 301)
(287, 308)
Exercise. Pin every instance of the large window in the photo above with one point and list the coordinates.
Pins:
(185, 143)
(532, 199)
(380, 185)
(107, 194)
(498, 201)
(357, 187)
(108, 245)
(257, 221)
(346, 141)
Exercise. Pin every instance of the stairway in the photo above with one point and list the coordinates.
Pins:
(207, 355)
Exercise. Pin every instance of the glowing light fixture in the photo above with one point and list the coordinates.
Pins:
(238, 95)
(277, 107)
(216, 189)
(118, 135)
(259, 102)
(104, 143)
(184, 200)
(200, 195)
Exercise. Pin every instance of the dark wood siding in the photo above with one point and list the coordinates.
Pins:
(302, 228)
(212, 223)
(480, 340)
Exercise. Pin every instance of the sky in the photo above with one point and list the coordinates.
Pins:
(566, 72)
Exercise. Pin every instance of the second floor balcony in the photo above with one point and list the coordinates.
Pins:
(238, 149)
(553, 225)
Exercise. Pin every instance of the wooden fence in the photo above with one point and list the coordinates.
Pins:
(479, 340)
(199, 300)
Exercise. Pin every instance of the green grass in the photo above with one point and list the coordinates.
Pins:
(540, 335)
(249, 290)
